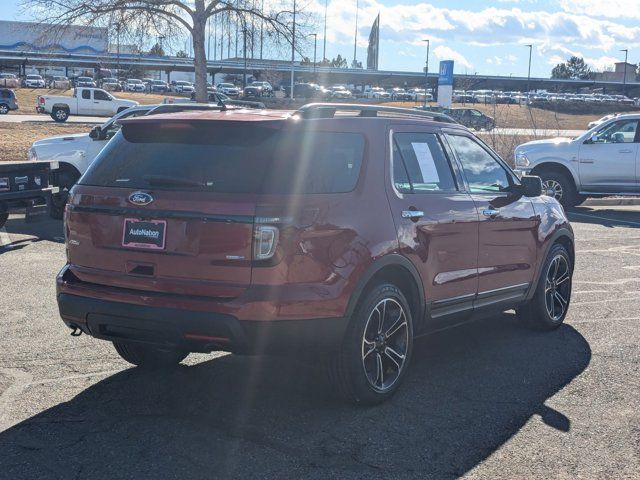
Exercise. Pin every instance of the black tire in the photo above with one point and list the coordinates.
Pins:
(349, 367)
(562, 186)
(60, 114)
(149, 356)
(3, 218)
(66, 180)
(538, 312)
(4, 108)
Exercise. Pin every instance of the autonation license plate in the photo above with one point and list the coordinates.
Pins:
(148, 234)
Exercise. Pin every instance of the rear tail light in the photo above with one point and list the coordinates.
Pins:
(265, 241)
(40, 100)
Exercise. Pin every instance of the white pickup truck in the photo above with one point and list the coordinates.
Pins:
(85, 101)
(603, 161)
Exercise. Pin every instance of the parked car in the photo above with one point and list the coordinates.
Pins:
(602, 161)
(418, 95)
(267, 88)
(111, 84)
(86, 82)
(600, 121)
(135, 85)
(85, 101)
(340, 92)
(60, 82)
(25, 185)
(399, 94)
(307, 90)
(471, 118)
(375, 92)
(9, 80)
(8, 101)
(252, 90)
(254, 232)
(159, 86)
(147, 83)
(228, 89)
(33, 81)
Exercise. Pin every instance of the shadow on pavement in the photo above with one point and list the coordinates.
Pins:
(608, 217)
(468, 391)
(43, 229)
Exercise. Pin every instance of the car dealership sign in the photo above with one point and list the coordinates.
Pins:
(445, 83)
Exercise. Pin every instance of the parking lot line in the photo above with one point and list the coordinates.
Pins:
(587, 215)
(4, 237)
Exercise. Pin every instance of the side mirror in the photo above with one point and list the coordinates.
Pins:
(95, 132)
(531, 185)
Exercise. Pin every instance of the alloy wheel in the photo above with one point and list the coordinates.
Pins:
(4, 109)
(384, 344)
(557, 287)
(61, 114)
(552, 188)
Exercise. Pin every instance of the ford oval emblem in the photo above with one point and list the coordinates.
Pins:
(140, 198)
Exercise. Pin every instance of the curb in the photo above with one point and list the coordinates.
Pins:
(611, 202)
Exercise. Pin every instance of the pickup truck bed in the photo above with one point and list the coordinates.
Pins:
(24, 185)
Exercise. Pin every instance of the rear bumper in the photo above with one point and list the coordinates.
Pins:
(196, 331)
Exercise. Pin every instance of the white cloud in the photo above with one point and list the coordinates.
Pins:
(405, 23)
(445, 53)
(601, 8)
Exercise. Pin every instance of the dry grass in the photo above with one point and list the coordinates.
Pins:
(521, 116)
(27, 98)
(18, 137)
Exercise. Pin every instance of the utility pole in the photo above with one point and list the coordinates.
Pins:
(624, 79)
(117, 50)
(529, 70)
(293, 48)
(324, 35)
(426, 73)
(355, 39)
(315, 45)
(244, 72)
(261, 29)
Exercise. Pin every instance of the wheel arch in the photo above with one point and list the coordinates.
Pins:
(66, 170)
(551, 165)
(398, 270)
(564, 237)
(61, 105)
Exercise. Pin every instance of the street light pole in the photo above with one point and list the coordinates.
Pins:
(529, 70)
(426, 73)
(244, 45)
(324, 36)
(293, 48)
(315, 45)
(624, 79)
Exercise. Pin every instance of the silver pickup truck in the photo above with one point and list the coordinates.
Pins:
(603, 161)
(85, 101)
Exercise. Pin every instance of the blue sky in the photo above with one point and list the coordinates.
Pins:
(485, 37)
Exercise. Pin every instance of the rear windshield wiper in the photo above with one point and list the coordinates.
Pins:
(164, 180)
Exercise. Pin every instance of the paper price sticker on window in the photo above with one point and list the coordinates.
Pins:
(426, 163)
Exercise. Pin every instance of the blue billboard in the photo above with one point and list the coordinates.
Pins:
(446, 73)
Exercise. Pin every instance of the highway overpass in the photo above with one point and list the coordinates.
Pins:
(306, 72)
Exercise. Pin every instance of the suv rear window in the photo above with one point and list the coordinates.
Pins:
(228, 158)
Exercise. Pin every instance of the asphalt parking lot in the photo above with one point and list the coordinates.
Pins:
(485, 400)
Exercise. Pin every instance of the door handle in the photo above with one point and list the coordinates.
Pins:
(586, 160)
(625, 150)
(412, 214)
(490, 212)
(96, 102)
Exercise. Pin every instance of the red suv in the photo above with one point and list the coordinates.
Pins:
(341, 229)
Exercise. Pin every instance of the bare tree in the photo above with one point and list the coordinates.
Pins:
(170, 17)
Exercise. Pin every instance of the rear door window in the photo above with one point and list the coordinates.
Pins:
(233, 157)
(86, 94)
(420, 164)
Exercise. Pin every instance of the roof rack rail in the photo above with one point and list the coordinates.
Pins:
(329, 110)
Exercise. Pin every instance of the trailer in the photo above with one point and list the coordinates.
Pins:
(26, 185)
